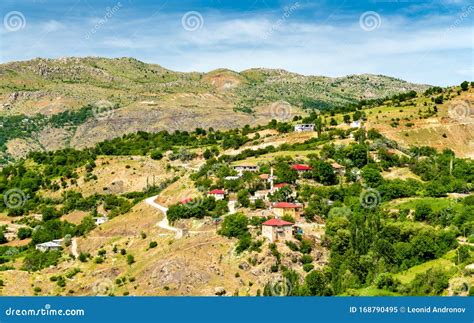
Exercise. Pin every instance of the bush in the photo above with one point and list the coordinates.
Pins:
(37, 260)
(432, 282)
(293, 246)
(306, 259)
(130, 259)
(83, 257)
(386, 281)
(234, 225)
(308, 267)
(153, 244)
(24, 233)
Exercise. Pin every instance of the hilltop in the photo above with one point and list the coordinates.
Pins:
(77, 102)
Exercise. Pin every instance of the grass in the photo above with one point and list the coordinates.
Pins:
(436, 204)
(373, 291)
(270, 156)
(408, 275)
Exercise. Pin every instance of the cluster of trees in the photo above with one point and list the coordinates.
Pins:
(236, 226)
(197, 208)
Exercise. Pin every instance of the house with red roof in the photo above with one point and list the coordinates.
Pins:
(277, 230)
(301, 167)
(218, 194)
(281, 209)
(186, 200)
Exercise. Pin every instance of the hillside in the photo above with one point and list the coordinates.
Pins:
(367, 215)
(77, 102)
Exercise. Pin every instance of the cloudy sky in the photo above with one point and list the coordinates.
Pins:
(420, 41)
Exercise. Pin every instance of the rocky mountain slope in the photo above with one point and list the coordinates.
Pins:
(126, 95)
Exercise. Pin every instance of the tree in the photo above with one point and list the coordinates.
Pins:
(371, 176)
(431, 282)
(316, 284)
(234, 225)
(24, 233)
(130, 259)
(464, 86)
(243, 198)
(323, 172)
(347, 118)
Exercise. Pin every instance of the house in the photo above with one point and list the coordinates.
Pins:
(101, 220)
(186, 200)
(281, 209)
(276, 187)
(304, 127)
(246, 168)
(338, 169)
(277, 230)
(301, 167)
(217, 194)
(260, 195)
(49, 246)
(356, 124)
(232, 178)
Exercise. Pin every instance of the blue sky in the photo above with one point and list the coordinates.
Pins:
(420, 41)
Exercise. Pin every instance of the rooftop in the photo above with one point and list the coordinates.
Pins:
(286, 205)
(301, 167)
(277, 223)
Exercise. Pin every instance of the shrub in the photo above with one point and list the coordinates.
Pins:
(306, 259)
(308, 267)
(153, 244)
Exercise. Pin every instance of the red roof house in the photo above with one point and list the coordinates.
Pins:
(301, 167)
(276, 223)
(186, 200)
(280, 185)
(286, 205)
(217, 191)
(277, 230)
(218, 194)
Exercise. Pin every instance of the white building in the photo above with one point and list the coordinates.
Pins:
(50, 245)
(101, 220)
(304, 127)
(277, 230)
(217, 194)
(246, 168)
(356, 124)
